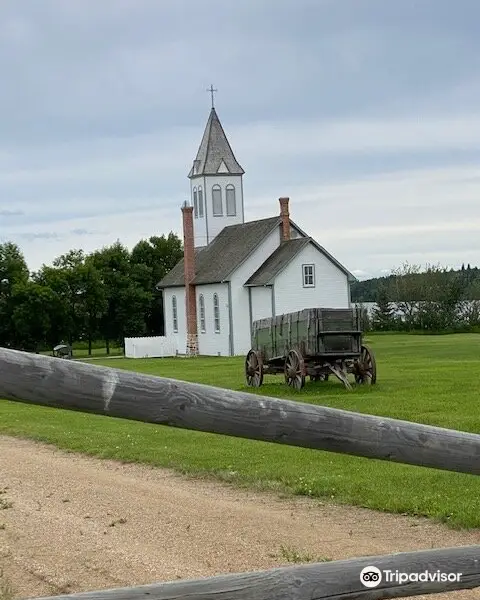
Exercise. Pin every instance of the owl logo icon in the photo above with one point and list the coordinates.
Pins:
(371, 577)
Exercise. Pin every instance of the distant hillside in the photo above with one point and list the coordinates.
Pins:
(367, 291)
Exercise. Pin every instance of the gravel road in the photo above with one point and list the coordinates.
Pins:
(78, 523)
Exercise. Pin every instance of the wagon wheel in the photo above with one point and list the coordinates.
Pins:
(295, 370)
(366, 367)
(254, 369)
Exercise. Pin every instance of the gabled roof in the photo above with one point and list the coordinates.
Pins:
(351, 277)
(277, 261)
(175, 277)
(215, 152)
(217, 261)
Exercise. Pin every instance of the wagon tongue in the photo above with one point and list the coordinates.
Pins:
(341, 374)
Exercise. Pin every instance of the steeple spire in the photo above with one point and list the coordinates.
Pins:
(216, 185)
(215, 152)
(212, 91)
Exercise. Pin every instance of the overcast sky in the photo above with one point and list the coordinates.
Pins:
(366, 113)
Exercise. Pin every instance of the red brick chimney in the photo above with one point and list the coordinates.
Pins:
(285, 218)
(189, 273)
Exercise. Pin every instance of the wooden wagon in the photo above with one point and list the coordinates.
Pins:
(314, 342)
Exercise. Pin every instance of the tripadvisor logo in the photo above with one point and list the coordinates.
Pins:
(372, 577)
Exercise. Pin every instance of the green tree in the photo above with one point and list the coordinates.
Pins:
(126, 300)
(59, 279)
(72, 288)
(442, 293)
(79, 295)
(94, 297)
(366, 291)
(13, 271)
(157, 256)
(383, 317)
(406, 293)
(32, 315)
(473, 290)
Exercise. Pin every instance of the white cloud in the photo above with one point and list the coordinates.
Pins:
(10, 213)
(356, 136)
(160, 157)
(379, 222)
(369, 223)
(352, 220)
(314, 97)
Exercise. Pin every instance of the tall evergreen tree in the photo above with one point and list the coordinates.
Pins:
(383, 317)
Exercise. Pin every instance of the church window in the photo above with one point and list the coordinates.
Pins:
(201, 302)
(195, 202)
(308, 275)
(230, 199)
(216, 313)
(217, 201)
(174, 314)
(200, 201)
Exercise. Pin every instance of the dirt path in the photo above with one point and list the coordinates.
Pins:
(80, 524)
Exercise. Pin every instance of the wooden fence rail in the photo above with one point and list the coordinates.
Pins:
(48, 381)
(338, 580)
(64, 384)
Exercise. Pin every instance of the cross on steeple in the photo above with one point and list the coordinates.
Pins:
(212, 90)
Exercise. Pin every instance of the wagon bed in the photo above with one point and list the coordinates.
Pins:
(315, 342)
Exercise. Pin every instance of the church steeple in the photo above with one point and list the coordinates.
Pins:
(216, 183)
(215, 154)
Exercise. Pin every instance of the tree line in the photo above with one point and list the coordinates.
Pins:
(110, 294)
(367, 291)
(106, 295)
(432, 299)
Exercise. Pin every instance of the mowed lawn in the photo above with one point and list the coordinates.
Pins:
(82, 352)
(427, 379)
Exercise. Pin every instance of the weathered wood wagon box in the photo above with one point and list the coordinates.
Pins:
(314, 342)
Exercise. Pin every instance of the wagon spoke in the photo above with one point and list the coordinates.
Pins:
(297, 382)
(365, 367)
(254, 369)
(294, 370)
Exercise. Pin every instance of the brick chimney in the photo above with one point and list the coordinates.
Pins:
(285, 218)
(189, 273)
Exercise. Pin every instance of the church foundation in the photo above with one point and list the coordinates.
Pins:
(192, 344)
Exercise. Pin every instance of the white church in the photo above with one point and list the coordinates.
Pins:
(235, 272)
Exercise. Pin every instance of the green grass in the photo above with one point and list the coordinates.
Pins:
(81, 352)
(433, 380)
(80, 349)
(292, 555)
(97, 352)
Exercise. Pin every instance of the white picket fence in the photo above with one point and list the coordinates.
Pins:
(150, 347)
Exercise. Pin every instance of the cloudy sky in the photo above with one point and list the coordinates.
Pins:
(365, 112)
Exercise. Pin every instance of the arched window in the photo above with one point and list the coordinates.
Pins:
(200, 201)
(195, 202)
(216, 313)
(230, 201)
(201, 303)
(174, 314)
(217, 201)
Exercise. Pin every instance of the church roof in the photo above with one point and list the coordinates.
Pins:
(217, 261)
(215, 155)
(277, 261)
